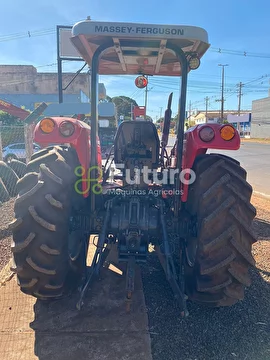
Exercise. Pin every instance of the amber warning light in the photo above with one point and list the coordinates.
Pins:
(141, 82)
(47, 125)
(227, 132)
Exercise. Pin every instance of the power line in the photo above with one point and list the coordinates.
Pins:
(250, 86)
(239, 53)
(212, 87)
(51, 31)
(157, 82)
(31, 34)
(203, 84)
(27, 35)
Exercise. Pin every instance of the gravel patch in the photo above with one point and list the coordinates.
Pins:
(6, 216)
(238, 332)
(261, 224)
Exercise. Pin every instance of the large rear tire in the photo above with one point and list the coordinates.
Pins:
(18, 167)
(9, 178)
(43, 207)
(219, 200)
(4, 195)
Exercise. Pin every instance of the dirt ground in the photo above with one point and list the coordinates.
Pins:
(260, 141)
(6, 215)
(239, 332)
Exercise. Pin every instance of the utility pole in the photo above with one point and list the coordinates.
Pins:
(161, 108)
(239, 97)
(206, 108)
(189, 112)
(222, 92)
(240, 85)
(146, 96)
(160, 116)
(131, 111)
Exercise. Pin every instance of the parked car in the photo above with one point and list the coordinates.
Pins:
(17, 151)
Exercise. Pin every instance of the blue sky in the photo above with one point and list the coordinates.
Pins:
(238, 25)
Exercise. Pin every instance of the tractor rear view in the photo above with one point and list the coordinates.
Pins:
(193, 207)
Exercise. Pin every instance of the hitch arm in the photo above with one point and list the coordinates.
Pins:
(168, 265)
(99, 257)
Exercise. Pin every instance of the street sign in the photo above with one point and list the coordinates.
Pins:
(139, 111)
(66, 49)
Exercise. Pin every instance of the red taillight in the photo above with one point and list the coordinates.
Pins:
(206, 134)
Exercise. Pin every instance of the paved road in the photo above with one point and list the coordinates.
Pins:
(255, 159)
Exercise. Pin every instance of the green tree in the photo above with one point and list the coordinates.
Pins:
(8, 120)
(175, 119)
(123, 105)
(107, 99)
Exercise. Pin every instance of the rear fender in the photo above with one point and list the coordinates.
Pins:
(193, 146)
(79, 140)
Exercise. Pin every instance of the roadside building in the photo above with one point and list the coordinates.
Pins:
(261, 118)
(23, 85)
(244, 120)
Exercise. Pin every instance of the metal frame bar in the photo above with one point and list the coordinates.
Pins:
(161, 53)
(59, 62)
(59, 67)
(94, 113)
(70, 59)
(74, 77)
(86, 44)
(119, 53)
(181, 117)
(181, 113)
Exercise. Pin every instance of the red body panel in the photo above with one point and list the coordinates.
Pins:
(194, 146)
(79, 140)
(13, 110)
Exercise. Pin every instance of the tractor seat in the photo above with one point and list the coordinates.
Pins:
(137, 144)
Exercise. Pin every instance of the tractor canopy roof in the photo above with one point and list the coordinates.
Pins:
(138, 48)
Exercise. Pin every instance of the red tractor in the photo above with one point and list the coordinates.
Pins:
(193, 207)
